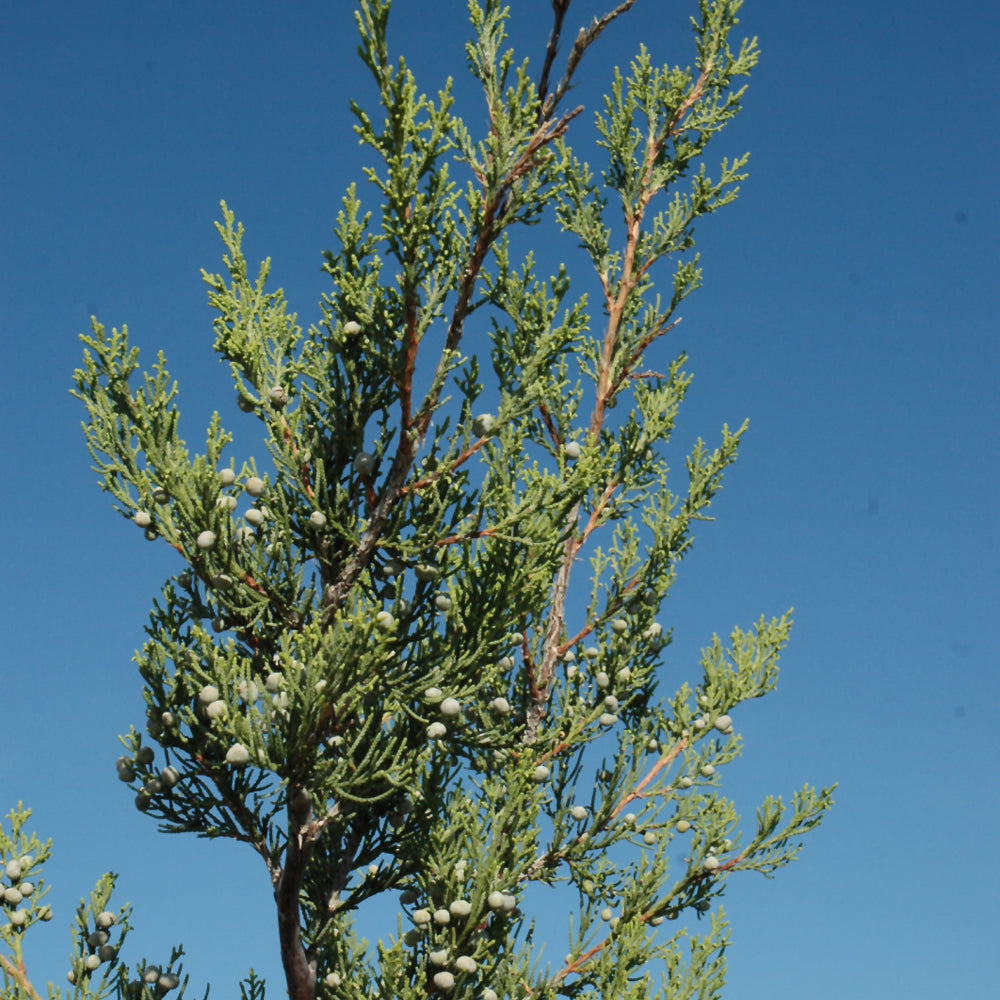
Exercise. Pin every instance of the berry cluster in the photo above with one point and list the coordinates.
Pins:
(100, 949)
(20, 890)
(438, 926)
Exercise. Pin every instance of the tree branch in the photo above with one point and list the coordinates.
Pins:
(410, 436)
(584, 39)
(19, 974)
(559, 9)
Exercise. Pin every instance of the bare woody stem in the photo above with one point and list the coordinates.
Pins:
(299, 967)
(559, 9)
(300, 972)
(584, 39)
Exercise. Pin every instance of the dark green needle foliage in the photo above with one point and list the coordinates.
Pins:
(411, 653)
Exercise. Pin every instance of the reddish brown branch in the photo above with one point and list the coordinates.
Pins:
(469, 536)
(19, 974)
(579, 637)
(549, 423)
(616, 310)
(254, 585)
(631, 274)
(599, 509)
(434, 476)
(626, 285)
(697, 92)
(590, 527)
(664, 761)
(657, 331)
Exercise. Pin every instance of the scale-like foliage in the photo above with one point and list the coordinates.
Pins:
(378, 664)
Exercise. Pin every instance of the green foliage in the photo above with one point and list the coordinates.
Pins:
(376, 665)
(98, 933)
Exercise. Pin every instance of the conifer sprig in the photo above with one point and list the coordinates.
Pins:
(413, 651)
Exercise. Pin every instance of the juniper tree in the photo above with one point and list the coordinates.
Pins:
(410, 656)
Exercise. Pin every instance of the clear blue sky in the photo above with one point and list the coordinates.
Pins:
(850, 311)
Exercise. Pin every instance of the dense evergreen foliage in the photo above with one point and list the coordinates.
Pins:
(411, 654)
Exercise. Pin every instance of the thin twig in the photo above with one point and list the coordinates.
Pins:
(559, 9)
(664, 761)
(584, 39)
(657, 331)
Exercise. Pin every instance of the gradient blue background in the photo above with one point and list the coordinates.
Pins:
(850, 311)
